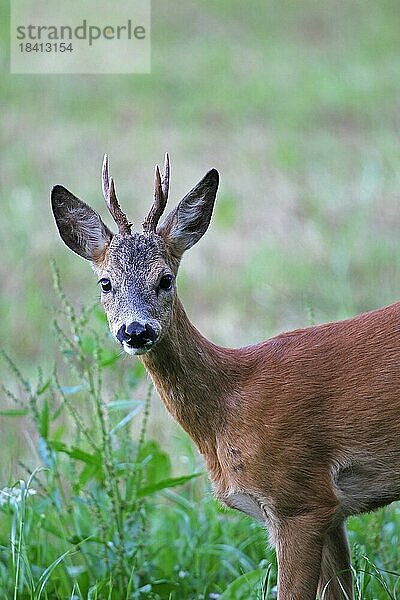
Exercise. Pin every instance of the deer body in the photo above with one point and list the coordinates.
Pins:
(315, 411)
(299, 431)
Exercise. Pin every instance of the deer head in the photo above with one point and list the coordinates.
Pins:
(136, 271)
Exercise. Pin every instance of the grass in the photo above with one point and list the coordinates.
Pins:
(297, 105)
(103, 515)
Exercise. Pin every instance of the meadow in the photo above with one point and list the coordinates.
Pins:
(297, 105)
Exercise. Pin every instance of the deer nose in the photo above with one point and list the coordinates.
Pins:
(136, 334)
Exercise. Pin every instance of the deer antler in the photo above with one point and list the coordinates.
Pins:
(110, 196)
(161, 190)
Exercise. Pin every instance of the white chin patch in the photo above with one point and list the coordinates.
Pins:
(135, 351)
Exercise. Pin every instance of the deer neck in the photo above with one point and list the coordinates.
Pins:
(193, 376)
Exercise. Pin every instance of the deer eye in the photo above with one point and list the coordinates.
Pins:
(166, 282)
(105, 284)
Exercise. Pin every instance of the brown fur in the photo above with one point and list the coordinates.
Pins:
(306, 423)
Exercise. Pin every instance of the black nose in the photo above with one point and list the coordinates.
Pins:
(136, 334)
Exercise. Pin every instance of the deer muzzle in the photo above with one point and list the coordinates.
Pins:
(137, 336)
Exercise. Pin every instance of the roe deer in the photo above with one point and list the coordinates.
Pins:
(299, 431)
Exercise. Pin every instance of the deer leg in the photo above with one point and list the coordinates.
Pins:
(335, 581)
(299, 543)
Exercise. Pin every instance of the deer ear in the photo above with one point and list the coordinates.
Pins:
(188, 222)
(80, 227)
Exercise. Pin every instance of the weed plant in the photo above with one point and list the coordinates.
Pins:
(98, 516)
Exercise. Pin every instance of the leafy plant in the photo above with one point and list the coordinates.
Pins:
(80, 520)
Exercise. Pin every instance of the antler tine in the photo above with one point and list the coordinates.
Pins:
(105, 179)
(110, 196)
(165, 178)
(161, 186)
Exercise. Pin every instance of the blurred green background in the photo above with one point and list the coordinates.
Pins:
(295, 103)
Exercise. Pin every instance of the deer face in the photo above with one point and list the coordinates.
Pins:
(136, 271)
(137, 282)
